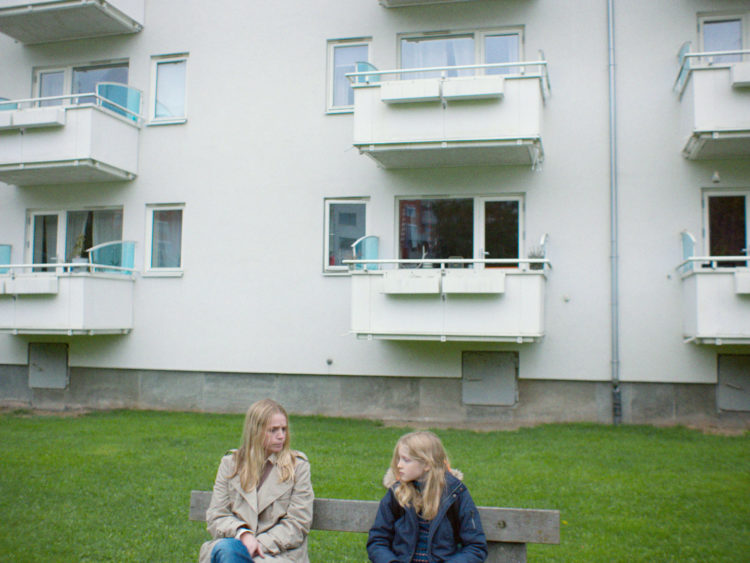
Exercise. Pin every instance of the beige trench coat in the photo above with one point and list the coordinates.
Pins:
(279, 515)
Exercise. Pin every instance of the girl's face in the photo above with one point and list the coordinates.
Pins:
(409, 469)
(275, 434)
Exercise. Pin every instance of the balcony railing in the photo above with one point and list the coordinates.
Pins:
(451, 116)
(714, 87)
(404, 3)
(449, 299)
(43, 21)
(87, 137)
(66, 299)
(716, 297)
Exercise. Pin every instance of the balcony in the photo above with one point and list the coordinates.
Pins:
(437, 121)
(92, 138)
(449, 300)
(70, 299)
(716, 298)
(715, 95)
(43, 21)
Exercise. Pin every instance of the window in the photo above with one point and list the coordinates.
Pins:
(62, 236)
(77, 80)
(727, 217)
(164, 238)
(343, 57)
(345, 222)
(480, 227)
(721, 34)
(420, 51)
(168, 93)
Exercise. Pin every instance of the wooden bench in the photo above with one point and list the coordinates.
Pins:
(508, 530)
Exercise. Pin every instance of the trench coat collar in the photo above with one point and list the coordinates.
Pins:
(271, 489)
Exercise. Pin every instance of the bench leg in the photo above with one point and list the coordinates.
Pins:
(506, 552)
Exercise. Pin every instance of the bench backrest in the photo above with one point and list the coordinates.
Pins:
(508, 530)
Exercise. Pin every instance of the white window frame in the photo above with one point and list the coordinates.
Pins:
(707, 194)
(478, 228)
(478, 36)
(62, 226)
(714, 17)
(343, 269)
(148, 270)
(330, 69)
(68, 74)
(156, 60)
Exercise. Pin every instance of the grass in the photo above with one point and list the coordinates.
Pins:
(115, 486)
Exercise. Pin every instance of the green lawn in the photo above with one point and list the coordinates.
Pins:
(115, 486)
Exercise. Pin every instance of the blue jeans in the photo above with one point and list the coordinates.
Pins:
(230, 550)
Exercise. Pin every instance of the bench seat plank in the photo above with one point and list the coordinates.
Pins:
(508, 525)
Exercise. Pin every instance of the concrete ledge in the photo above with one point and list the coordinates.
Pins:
(413, 400)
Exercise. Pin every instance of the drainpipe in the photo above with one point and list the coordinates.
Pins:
(614, 289)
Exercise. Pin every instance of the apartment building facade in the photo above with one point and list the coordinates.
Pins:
(485, 212)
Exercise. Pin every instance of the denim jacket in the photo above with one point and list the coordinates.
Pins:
(393, 536)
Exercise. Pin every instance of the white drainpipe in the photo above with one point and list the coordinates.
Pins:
(614, 258)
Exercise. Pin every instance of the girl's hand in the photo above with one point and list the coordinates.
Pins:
(253, 546)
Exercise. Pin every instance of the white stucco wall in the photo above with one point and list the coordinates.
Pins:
(258, 155)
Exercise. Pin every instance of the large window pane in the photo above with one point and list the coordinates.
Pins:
(85, 79)
(51, 84)
(725, 35)
(44, 246)
(501, 232)
(501, 49)
(166, 238)
(346, 223)
(170, 89)
(345, 58)
(421, 52)
(727, 220)
(85, 229)
(436, 228)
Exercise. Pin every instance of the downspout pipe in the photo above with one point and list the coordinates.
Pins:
(613, 211)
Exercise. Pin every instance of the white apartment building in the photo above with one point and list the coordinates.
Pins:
(485, 212)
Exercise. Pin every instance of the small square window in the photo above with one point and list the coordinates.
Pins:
(345, 223)
(164, 248)
(168, 90)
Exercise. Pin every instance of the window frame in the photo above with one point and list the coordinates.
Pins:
(62, 228)
(478, 226)
(327, 202)
(708, 194)
(331, 46)
(478, 36)
(156, 60)
(67, 71)
(148, 269)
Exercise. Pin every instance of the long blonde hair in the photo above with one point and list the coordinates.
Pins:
(250, 458)
(427, 448)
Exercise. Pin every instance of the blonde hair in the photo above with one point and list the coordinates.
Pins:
(426, 448)
(250, 458)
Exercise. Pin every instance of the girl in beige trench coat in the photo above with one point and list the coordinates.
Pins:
(262, 501)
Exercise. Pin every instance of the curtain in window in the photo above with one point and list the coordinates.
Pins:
(166, 239)
(170, 89)
(75, 230)
(723, 36)
(437, 52)
(345, 58)
(108, 227)
(85, 79)
(51, 84)
(501, 49)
